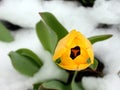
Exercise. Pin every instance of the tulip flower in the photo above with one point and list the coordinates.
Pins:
(74, 52)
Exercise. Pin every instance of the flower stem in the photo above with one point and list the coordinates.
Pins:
(74, 85)
(74, 76)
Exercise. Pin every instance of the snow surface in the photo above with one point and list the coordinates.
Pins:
(25, 14)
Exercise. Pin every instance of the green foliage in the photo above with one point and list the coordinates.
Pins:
(58, 61)
(77, 86)
(5, 35)
(25, 61)
(94, 65)
(53, 85)
(89, 61)
(47, 36)
(36, 86)
(99, 38)
(54, 24)
(28, 53)
(59, 85)
(74, 85)
(50, 31)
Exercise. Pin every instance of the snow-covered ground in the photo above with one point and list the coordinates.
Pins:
(25, 14)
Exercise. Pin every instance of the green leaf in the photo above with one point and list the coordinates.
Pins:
(89, 61)
(77, 86)
(94, 65)
(74, 85)
(28, 53)
(54, 24)
(98, 38)
(47, 37)
(58, 61)
(5, 35)
(23, 63)
(54, 85)
(36, 86)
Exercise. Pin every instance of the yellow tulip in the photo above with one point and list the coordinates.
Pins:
(74, 51)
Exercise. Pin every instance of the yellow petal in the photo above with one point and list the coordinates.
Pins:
(60, 49)
(90, 52)
(83, 66)
(63, 44)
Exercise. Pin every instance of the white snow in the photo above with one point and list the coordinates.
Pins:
(106, 11)
(25, 14)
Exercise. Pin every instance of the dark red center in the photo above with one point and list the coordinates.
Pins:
(75, 52)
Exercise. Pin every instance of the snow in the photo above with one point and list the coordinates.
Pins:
(25, 14)
(109, 82)
(106, 11)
